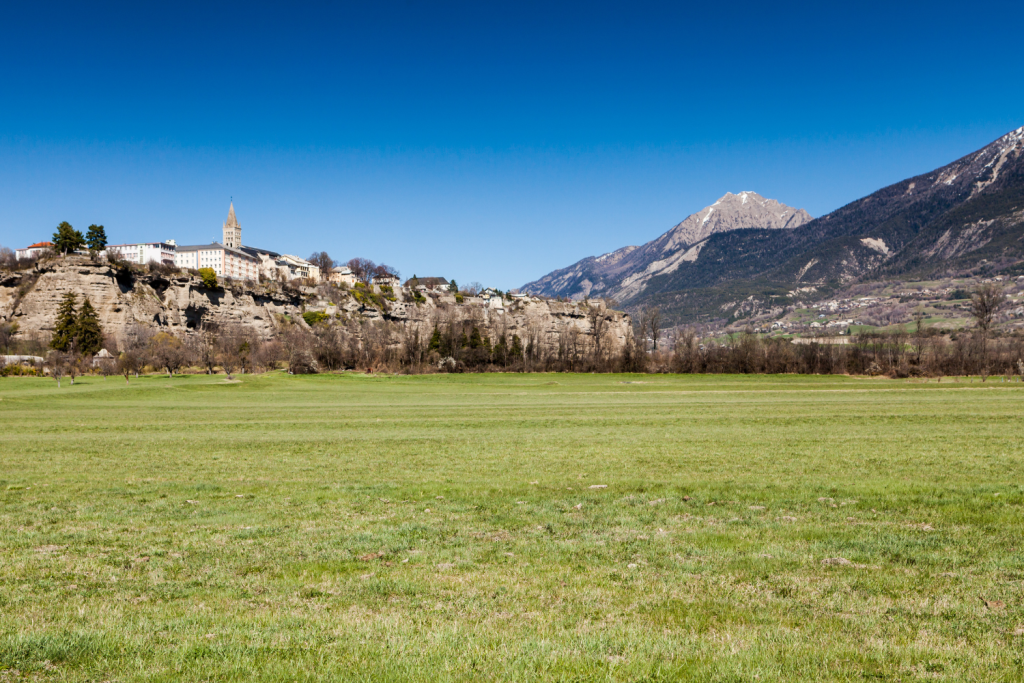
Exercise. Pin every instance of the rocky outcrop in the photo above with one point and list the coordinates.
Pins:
(123, 297)
(180, 303)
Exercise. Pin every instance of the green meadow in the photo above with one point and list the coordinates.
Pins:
(540, 527)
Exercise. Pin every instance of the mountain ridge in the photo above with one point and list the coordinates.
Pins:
(623, 273)
(961, 216)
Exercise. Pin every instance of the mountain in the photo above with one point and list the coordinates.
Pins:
(965, 216)
(624, 273)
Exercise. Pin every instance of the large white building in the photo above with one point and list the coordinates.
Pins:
(144, 252)
(270, 264)
(225, 261)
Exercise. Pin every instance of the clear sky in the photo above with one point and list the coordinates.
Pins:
(480, 141)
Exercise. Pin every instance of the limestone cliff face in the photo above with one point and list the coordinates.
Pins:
(181, 304)
(122, 298)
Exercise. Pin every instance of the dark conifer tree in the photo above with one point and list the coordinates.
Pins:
(89, 333)
(67, 239)
(66, 327)
(96, 238)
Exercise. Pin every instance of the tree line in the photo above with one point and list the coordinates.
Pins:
(460, 343)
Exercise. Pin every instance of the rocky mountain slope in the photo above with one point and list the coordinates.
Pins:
(964, 216)
(625, 273)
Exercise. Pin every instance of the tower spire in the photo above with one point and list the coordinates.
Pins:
(232, 229)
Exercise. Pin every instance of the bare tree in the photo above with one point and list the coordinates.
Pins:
(202, 348)
(8, 260)
(56, 362)
(229, 345)
(7, 332)
(129, 363)
(136, 343)
(654, 324)
(323, 261)
(985, 303)
(598, 329)
(362, 268)
(167, 352)
(384, 270)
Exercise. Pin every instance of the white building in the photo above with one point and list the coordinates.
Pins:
(225, 261)
(33, 250)
(144, 252)
(343, 275)
(388, 280)
(239, 258)
(299, 268)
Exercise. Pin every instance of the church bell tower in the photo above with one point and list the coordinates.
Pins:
(232, 230)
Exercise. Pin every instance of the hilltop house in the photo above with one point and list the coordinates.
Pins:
(33, 250)
(386, 280)
(342, 275)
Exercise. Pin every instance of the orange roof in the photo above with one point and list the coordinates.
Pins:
(39, 244)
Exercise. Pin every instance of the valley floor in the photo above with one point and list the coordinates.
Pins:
(511, 527)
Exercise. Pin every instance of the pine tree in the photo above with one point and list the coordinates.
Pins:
(96, 238)
(67, 239)
(517, 347)
(66, 327)
(435, 341)
(453, 287)
(89, 333)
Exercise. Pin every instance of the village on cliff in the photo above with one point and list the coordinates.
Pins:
(165, 305)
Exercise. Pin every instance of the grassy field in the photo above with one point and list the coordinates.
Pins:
(511, 528)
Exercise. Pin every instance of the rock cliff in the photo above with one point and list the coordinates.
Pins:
(180, 303)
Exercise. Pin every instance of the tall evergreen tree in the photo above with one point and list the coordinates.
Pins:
(67, 239)
(88, 331)
(66, 328)
(96, 238)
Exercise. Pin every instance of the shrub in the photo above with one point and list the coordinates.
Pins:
(314, 317)
(209, 278)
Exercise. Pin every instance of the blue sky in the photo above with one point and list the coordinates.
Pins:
(478, 141)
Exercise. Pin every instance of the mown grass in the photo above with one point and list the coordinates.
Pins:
(446, 528)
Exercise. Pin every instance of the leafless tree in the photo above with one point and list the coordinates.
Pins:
(202, 349)
(598, 329)
(654, 324)
(7, 332)
(985, 303)
(227, 350)
(323, 261)
(57, 363)
(362, 268)
(384, 270)
(8, 260)
(136, 343)
(167, 352)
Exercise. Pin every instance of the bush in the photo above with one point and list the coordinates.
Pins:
(209, 278)
(314, 317)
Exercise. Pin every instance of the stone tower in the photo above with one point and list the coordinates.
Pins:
(232, 230)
